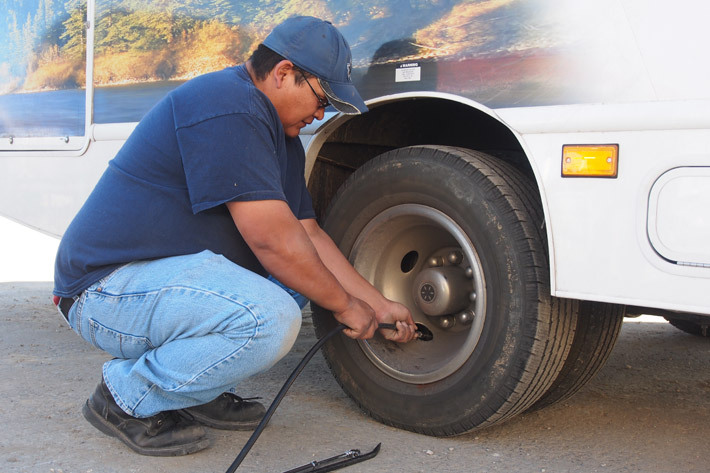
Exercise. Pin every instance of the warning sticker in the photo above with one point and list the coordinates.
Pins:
(408, 72)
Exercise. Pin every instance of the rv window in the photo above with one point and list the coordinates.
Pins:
(42, 73)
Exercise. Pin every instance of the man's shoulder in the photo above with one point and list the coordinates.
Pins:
(219, 93)
(229, 78)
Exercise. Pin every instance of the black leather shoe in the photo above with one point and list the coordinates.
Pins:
(164, 434)
(229, 412)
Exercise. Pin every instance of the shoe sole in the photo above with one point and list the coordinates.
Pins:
(109, 429)
(223, 425)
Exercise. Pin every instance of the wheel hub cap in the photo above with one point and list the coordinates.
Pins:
(442, 291)
(419, 256)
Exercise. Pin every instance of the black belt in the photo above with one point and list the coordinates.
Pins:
(65, 304)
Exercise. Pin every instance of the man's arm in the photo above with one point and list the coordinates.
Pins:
(385, 309)
(285, 250)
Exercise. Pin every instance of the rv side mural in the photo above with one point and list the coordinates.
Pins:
(500, 53)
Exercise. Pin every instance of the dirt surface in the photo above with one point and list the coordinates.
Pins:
(647, 411)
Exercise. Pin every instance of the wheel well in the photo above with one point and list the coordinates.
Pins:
(407, 122)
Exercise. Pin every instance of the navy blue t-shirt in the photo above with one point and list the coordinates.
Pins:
(214, 139)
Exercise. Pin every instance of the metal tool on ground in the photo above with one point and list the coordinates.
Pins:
(339, 461)
(333, 463)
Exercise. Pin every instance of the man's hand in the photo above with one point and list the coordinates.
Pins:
(396, 313)
(359, 318)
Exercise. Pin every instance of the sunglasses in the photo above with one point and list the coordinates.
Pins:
(322, 103)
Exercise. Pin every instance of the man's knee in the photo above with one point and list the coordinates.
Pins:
(288, 323)
(269, 324)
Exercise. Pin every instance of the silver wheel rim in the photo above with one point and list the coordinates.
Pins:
(390, 252)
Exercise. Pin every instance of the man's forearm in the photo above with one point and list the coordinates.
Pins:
(284, 249)
(385, 310)
(341, 268)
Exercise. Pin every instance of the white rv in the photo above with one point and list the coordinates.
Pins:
(529, 172)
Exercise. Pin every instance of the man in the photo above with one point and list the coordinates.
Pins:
(178, 263)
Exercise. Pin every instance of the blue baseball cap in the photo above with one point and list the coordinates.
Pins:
(317, 47)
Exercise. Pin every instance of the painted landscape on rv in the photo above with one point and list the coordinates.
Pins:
(473, 44)
(500, 53)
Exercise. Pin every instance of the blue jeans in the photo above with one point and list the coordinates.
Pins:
(184, 329)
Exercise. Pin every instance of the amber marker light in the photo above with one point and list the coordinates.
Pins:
(590, 160)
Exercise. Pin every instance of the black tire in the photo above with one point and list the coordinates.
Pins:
(393, 219)
(598, 326)
(688, 326)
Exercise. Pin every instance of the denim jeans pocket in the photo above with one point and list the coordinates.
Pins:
(118, 344)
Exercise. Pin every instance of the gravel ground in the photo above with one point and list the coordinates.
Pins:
(648, 410)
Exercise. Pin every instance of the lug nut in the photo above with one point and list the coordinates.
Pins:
(469, 272)
(465, 317)
(455, 257)
(472, 296)
(436, 261)
(446, 321)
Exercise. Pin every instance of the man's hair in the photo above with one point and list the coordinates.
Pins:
(263, 61)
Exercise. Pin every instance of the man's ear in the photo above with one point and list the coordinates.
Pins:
(280, 71)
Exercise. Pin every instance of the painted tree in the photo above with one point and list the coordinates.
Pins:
(75, 34)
